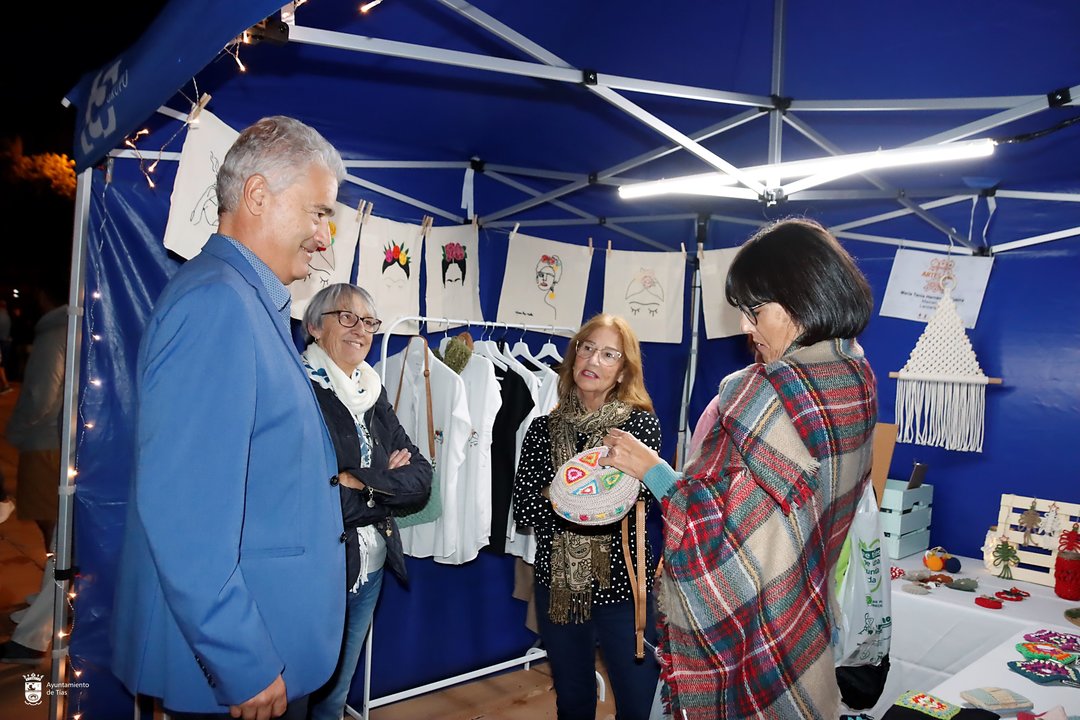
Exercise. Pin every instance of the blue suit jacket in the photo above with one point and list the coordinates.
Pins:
(233, 564)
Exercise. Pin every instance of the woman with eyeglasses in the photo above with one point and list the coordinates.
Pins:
(755, 523)
(582, 587)
(379, 467)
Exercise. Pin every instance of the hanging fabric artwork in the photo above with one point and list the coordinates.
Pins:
(941, 390)
(647, 288)
(721, 319)
(453, 274)
(332, 264)
(390, 269)
(545, 282)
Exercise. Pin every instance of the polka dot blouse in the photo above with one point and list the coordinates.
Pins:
(535, 472)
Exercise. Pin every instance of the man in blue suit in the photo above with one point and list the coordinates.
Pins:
(229, 596)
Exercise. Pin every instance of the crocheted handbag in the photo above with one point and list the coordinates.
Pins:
(588, 493)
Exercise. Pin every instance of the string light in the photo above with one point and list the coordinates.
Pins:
(369, 5)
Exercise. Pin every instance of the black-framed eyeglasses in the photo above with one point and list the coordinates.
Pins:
(608, 356)
(750, 311)
(348, 319)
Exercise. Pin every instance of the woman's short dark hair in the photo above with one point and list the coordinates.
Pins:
(800, 265)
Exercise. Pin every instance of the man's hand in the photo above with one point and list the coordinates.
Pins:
(270, 703)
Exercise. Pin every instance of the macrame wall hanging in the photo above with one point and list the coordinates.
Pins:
(941, 391)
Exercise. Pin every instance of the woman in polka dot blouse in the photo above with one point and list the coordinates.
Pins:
(582, 587)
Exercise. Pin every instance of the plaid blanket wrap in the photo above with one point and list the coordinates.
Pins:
(753, 531)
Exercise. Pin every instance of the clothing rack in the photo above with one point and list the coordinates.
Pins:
(551, 329)
(531, 655)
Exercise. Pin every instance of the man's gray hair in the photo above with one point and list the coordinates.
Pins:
(331, 298)
(280, 149)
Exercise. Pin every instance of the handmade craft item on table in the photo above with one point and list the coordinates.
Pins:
(1045, 651)
(1027, 527)
(588, 493)
(1067, 565)
(1046, 672)
(941, 390)
(997, 699)
(1066, 641)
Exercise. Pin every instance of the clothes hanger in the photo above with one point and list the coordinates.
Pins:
(487, 349)
(521, 350)
(548, 350)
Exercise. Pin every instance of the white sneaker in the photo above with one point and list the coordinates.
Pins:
(6, 508)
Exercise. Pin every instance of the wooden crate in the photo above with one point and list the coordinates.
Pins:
(1038, 556)
(905, 518)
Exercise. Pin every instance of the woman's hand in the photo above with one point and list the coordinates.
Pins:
(629, 454)
(350, 481)
(399, 458)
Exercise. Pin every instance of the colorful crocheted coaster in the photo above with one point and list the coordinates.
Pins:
(1008, 595)
(588, 493)
(1045, 651)
(988, 601)
(896, 572)
(927, 704)
(916, 589)
(1045, 672)
(1066, 641)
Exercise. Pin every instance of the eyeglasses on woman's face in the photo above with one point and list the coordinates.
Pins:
(750, 311)
(608, 356)
(349, 319)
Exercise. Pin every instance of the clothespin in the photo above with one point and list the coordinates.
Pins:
(590, 247)
(367, 211)
(476, 220)
(193, 116)
(360, 211)
(682, 247)
(513, 233)
(425, 225)
(609, 247)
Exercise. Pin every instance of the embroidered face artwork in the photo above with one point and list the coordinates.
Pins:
(644, 294)
(454, 257)
(548, 273)
(206, 207)
(396, 265)
(323, 262)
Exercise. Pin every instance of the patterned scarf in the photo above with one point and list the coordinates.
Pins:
(752, 532)
(577, 559)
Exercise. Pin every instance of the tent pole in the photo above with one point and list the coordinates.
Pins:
(683, 448)
(776, 120)
(69, 444)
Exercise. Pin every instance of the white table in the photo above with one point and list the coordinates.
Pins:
(937, 636)
(991, 670)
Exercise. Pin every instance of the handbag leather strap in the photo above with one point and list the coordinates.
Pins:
(637, 573)
(427, 386)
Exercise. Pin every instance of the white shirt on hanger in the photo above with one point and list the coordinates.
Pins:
(450, 413)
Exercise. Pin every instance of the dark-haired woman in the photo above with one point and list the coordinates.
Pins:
(755, 523)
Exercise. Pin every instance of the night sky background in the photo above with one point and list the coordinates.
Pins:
(49, 47)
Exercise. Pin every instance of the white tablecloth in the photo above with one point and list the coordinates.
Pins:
(991, 670)
(937, 636)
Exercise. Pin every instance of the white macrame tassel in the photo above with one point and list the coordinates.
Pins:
(941, 414)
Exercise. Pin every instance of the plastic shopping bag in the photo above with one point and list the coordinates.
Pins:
(865, 625)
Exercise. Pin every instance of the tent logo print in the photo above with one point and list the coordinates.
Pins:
(32, 688)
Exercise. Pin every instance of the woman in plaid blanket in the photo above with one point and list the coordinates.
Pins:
(754, 525)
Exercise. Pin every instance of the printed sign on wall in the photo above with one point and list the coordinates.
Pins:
(916, 285)
(193, 208)
(453, 274)
(545, 282)
(390, 270)
(721, 320)
(647, 288)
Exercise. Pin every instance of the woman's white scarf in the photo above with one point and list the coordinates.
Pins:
(358, 393)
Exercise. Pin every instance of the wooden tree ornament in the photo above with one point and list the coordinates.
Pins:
(941, 390)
